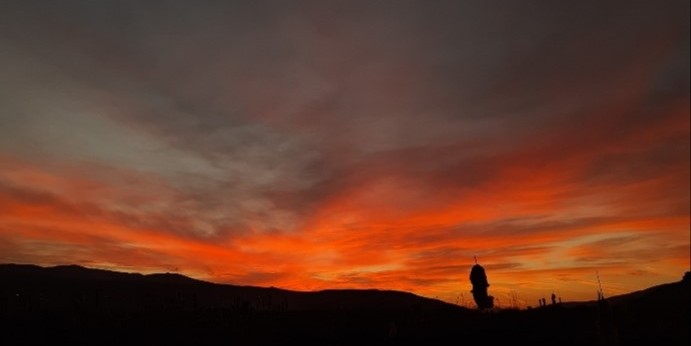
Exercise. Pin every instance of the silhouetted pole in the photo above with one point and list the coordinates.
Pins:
(600, 294)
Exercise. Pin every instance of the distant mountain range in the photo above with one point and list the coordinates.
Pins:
(117, 290)
(76, 305)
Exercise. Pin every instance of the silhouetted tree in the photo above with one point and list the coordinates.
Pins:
(478, 279)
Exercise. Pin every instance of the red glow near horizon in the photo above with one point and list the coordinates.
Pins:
(370, 236)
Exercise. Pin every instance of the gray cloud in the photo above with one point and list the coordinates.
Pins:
(254, 113)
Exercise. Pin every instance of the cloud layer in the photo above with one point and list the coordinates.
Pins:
(310, 145)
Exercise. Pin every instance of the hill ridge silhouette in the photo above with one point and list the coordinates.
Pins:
(89, 272)
(76, 305)
(299, 299)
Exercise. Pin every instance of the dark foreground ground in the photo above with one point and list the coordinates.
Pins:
(79, 306)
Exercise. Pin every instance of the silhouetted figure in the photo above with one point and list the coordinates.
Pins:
(478, 279)
(554, 299)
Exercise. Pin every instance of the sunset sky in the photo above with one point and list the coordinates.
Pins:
(351, 144)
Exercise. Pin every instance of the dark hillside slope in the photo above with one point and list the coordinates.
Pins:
(73, 305)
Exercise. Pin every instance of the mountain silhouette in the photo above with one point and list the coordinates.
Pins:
(82, 306)
(50, 285)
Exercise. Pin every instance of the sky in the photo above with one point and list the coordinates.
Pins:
(310, 145)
